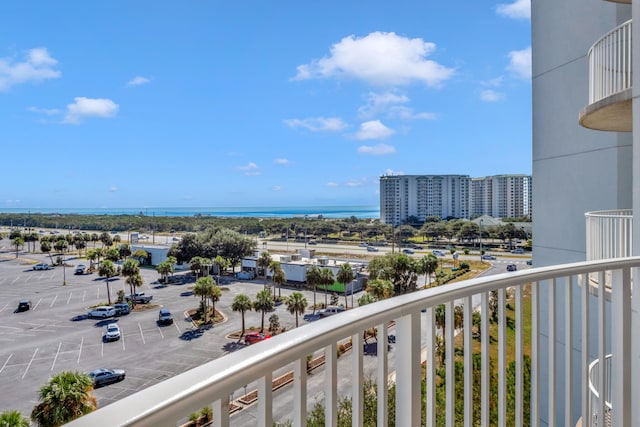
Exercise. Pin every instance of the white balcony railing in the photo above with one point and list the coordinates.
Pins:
(609, 234)
(598, 391)
(610, 63)
(587, 317)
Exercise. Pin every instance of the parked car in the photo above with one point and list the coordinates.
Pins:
(112, 333)
(313, 242)
(81, 269)
(489, 257)
(103, 312)
(41, 266)
(139, 298)
(529, 262)
(511, 267)
(372, 249)
(438, 253)
(331, 310)
(23, 305)
(105, 376)
(255, 337)
(517, 251)
(164, 317)
(408, 251)
(418, 247)
(363, 244)
(122, 309)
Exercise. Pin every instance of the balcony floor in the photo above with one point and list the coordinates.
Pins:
(612, 113)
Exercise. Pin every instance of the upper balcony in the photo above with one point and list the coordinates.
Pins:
(610, 74)
(609, 234)
(494, 341)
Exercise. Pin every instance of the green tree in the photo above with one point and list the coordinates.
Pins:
(60, 245)
(107, 270)
(202, 289)
(263, 303)
(198, 264)
(427, 265)
(131, 272)
(18, 242)
(367, 298)
(67, 396)
(263, 262)
(277, 276)
(296, 304)
(380, 289)
(326, 280)
(45, 247)
(13, 418)
(345, 276)
(112, 255)
(221, 264)
(242, 303)
(314, 278)
(141, 255)
(215, 293)
(124, 250)
(164, 269)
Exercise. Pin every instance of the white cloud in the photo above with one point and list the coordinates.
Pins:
(380, 102)
(113, 189)
(90, 107)
(47, 111)
(276, 188)
(318, 124)
(354, 183)
(497, 82)
(520, 62)
(391, 172)
(373, 129)
(519, 9)
(250, 169)
(138, 80)
(281, 161)
(382, 59)
(405, 113)
(376, 150)
(332, 184)
(489, 95)
(37, 66)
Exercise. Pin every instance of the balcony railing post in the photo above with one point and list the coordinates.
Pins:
(330, 385)
(621, 348)
(383, 368)
(357, 400)
(265, 400)
(408, 370)
(300, 392)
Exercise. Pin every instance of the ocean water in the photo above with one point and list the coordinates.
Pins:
(258, 212)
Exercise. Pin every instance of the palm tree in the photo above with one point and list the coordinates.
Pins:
(327, 279)
(214, 295)
(296, 304)
(45, 247)
(67, 396)
(440, 317)
(17, 242)
(202, 289)
(263, 262)
(13, 418)
(380, 289)
(263, 303)
(131, 271)
(427, 265)
(197, 264)
(277, 276)
(314, 277)
(107, 270)
(345, 275)
(221, 264)
(242, 303)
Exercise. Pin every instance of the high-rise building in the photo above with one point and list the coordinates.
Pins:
(456, 196)
(403, 196)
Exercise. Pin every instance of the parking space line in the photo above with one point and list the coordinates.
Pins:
(15, 280)
(54, 300)
(5, 306)
(69, 299)
(37, 304)
(122, 336)
(102, 349)
(141, 334)
(5, 363)
(56, 357)
(98, 293)
(177, 327)
(29, 365)
(80, 351)
(84, 294)
(161, 334)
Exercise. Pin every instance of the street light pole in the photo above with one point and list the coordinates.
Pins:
(480, 240)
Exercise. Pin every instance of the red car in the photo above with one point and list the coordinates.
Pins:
(255, 337)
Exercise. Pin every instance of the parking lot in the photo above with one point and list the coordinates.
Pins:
(56, 333)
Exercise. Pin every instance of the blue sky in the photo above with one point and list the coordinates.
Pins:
(246, 103)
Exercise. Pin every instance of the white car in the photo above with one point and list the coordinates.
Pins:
(372, 249)
(102, 312)
(41, 266)
(112, 333)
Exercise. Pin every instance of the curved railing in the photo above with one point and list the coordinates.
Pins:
(609, 234)
(610, 63)
(596, 388)
(538, 317)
